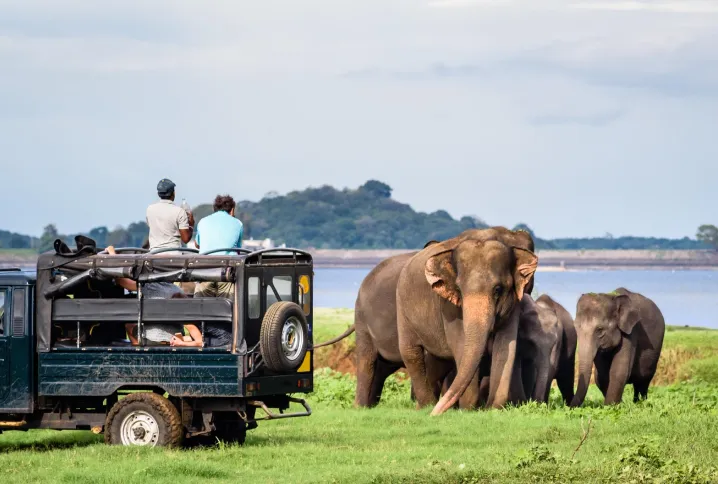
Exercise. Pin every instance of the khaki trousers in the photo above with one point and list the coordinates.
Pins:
(214, 289)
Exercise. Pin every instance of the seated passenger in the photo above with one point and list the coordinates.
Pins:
(158, 333)
(161, 333)
(215, 335)
(150, 290)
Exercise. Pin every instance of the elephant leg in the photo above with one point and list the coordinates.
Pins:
(437, 370)
(448, 380)
(469, 400)
(366, 361)
(382, 370)
(602, 373)
(415, 364)
(484, 391)
(484, 380)
(503, 357)
(564, 380)
(640, 390)
(620, 369)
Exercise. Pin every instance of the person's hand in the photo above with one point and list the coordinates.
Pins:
(111, 250)
(175, 341)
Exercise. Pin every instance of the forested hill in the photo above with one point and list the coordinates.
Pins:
(363, 218)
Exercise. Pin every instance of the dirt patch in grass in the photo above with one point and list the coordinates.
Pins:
(339, 357)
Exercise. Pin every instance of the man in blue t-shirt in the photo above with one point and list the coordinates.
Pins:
(221, 230)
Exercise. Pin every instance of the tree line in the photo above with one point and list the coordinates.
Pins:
(362, 218)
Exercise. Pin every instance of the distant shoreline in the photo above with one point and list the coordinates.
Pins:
(549, 260)
(552, 260)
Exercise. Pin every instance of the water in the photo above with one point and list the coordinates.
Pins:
(684, 297)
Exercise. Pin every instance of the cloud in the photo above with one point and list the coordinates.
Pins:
(686, 6)
(142, 90)
(468, 3)
(595, 120)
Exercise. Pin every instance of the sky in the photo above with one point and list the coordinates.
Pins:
(578, 118)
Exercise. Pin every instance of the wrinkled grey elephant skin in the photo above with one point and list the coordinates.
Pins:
(567, 360)
(622, 335)
(452, 298)
(377, 343)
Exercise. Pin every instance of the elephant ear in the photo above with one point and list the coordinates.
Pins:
(441, 275)
(526, 264)
(627, 315)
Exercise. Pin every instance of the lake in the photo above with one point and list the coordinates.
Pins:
(685, 297)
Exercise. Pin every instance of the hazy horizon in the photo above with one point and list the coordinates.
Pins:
(578, 118)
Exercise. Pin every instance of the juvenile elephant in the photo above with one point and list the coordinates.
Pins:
(451, 298)
(567, 359)
(622, 334)
(539, 348)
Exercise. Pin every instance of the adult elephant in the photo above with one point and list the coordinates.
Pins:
(567, 359)
(451, 298)
(622, 334)
(377, 341)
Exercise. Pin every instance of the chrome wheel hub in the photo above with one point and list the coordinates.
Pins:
(139, 428)
(292, 338)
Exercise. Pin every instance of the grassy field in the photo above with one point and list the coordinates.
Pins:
(671, 437)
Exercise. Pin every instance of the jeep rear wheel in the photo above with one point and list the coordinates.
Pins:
(283, 338)
(144, 419)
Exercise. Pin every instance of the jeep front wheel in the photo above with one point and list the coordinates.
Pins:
(144, 419)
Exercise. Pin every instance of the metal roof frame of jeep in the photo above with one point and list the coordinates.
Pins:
(142, 266)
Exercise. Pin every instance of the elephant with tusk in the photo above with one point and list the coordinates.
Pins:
(452, 297)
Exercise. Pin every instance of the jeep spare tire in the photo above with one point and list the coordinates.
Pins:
(284, 336)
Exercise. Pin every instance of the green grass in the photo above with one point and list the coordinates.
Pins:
(671, 437)
(670, 434)
(330, 322)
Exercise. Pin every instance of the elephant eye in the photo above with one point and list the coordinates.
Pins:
(498, 290)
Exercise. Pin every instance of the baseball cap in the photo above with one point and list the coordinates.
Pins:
(165, 187)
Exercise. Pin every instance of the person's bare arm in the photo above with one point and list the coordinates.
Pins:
(186, 235)
(185, 224)
(194, 333)
(123, 282)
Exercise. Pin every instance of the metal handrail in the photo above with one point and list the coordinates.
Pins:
(232, 249)
(280, 249)
(136, 250)
(174, 249)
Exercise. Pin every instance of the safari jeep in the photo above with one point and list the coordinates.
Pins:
(66, 361)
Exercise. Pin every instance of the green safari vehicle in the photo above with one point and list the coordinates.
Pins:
(66, 361)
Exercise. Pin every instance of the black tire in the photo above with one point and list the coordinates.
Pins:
(278, 316)
(229, 427)
(148, 407)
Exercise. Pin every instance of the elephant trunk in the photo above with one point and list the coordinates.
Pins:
(587, 353)
(543, 384)
(478, 313)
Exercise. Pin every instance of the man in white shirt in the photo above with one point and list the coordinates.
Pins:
(170, 225)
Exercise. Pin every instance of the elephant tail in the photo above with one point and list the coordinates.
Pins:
(346, 333)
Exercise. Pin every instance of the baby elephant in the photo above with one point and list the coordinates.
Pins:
(538, 348)
(567, 359)
(622, 334)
